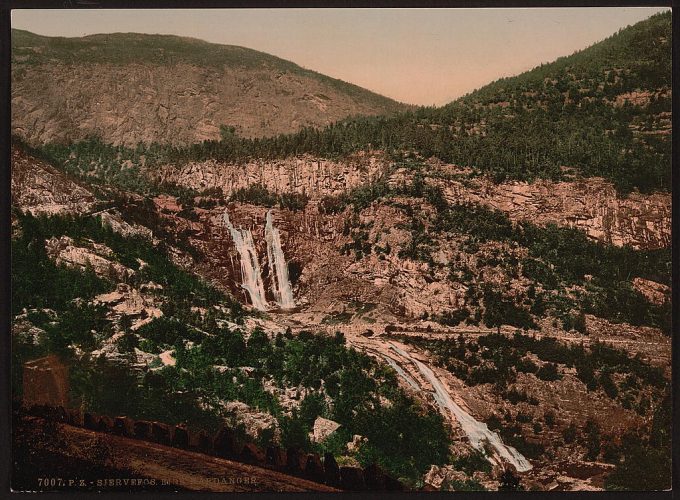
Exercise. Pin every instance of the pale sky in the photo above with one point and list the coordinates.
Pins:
(418, 56)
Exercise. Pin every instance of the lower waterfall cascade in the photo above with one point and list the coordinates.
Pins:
(477, 432)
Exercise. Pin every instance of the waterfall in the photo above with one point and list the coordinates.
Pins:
(477, 432)
(278, 266)
(402, 373)
(250, 267)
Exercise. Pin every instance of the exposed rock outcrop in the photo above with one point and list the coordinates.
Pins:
(592, 205)
(656, 293)
(95, 256)
(39, 188)
(254, 422)
(323, 428)
(315, 177)
(443, 477)
(141, 307)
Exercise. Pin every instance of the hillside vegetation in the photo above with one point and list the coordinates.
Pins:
(204, 330)
(604, 111)
(137, 293)
(557, 259)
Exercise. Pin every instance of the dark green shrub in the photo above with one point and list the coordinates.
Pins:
(548, 372)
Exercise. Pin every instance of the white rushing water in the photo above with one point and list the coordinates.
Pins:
(250, 266)
(278, 266)
(477, 432)
(402, 373)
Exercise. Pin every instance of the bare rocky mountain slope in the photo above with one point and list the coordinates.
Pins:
(129, 88)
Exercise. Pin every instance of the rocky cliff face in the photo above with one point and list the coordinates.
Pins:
(591, 205)
(39, 188)
(315, 177)
(325, 279)
(98, 257)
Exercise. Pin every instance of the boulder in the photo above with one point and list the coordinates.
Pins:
(356, 442)
(323, 428)
(438, 476)
(254, 421)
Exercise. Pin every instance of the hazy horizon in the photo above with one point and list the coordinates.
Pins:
(417, 56)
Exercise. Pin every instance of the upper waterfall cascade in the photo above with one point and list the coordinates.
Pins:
(251, 274)
(278, 266)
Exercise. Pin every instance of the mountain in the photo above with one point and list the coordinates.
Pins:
(128, 88)
(605, 112)
(478, 303)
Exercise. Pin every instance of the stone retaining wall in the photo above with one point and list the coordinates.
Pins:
(225, 444)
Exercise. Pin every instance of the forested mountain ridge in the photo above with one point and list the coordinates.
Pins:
(634, 58)
(604, 111)
(613, 98)
(129, 88)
